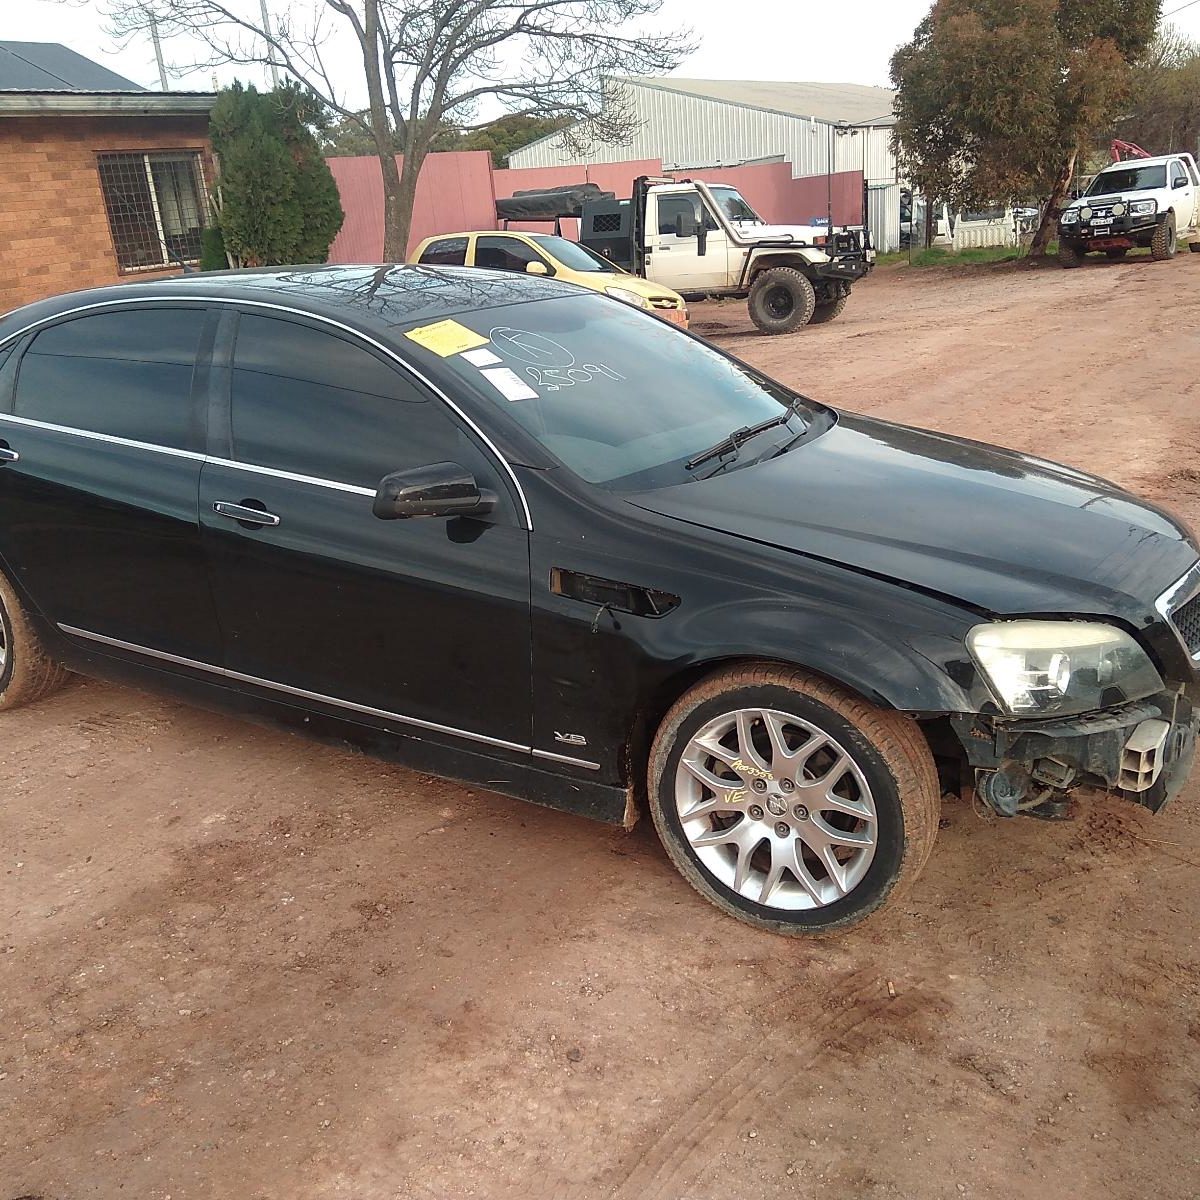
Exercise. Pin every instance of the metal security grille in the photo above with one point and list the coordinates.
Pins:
(1186, 619)
(606, 223)
(156, 205)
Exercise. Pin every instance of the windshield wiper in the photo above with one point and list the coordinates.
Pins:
(733, 442)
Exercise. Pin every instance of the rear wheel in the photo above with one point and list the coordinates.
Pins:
(1165, 243)
(1068, 256)
(27, 672)
(789, 803)
(1194, 245)
(781, 300)
(830, 310)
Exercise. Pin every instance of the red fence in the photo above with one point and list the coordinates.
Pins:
(458, 191)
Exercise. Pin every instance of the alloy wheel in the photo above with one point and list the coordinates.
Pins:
(775, 809)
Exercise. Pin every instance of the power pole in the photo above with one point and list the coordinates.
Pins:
(266, 20)
(158, 55)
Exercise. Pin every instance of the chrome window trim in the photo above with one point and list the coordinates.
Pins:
(320, 698)
(291, 475)
(210, 301)
(1185, 588)
(92, 436)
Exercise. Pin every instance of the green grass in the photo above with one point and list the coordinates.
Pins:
(939, 256)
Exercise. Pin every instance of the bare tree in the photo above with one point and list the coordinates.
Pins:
(429, 65)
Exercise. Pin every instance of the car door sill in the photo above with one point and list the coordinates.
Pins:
(318, 697)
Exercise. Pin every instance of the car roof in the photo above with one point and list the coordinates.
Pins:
(371, 297)
(1156, 161)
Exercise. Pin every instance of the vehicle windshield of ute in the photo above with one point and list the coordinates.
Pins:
(734, 205)
(622, 399)
(1128, 179)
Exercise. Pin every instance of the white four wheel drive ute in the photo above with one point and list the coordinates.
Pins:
(703, 239)
(1140, 202)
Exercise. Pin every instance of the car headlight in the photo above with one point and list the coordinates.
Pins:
(620, 293)
(1070, 216)
(1086, 213)
(1118, 209)
(1059, 667)
(1143, 208)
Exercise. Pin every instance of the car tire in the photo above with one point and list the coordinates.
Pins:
(1194, 245)
(1068, 256)
(830, 311)
(27, 671)
(760, 775)
(781, 300)
(1164, 243)
(1116, 253)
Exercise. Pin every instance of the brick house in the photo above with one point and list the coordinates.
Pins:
(100, 179)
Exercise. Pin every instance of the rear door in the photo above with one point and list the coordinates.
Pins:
(445, 252)
(98, 517)
(421, 622)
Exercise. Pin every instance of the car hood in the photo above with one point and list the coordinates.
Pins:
(598, 281)
(999, 531)
(747, 232)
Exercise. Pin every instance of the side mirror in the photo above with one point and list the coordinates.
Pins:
(536, 268)
(438, 490)
(1180, 183)
(685, 225)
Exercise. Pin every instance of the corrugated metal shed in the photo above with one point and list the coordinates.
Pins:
(699, 124)
(51, 67)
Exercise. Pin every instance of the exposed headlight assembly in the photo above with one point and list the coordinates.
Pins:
(620, 293)
(1037, 668)
(1070, 216)
(1142, 208)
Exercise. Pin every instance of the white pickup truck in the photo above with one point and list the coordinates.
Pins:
(703, 239)
(1139, 202)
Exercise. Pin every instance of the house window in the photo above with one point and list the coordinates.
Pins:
(156, 207)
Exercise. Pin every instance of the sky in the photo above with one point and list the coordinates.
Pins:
(850, 42)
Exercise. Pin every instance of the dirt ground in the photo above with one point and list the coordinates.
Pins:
(235, 964)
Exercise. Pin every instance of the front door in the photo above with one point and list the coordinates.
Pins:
(420, 623)
(675, 258)
(1183, 195)
(103, 442)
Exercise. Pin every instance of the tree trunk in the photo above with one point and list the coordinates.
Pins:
(1054, 205)
(400, 222)
(397, 215)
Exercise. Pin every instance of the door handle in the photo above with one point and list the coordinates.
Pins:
(7, 455)
(247, 513)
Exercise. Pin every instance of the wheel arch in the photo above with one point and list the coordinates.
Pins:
(927, 697)
(765, 262)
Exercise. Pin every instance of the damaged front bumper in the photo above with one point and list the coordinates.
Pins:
(1140, 751)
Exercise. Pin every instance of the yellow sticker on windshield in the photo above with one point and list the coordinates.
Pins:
(446, 338)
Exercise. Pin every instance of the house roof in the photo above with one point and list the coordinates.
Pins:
(853, 103)
(51, 67)
(48, 79)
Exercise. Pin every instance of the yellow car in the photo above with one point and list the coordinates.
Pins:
(546, 254)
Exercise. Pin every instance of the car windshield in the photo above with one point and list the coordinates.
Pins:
(572, 255)
(618, 396)
(1128, 179)
(733, 204)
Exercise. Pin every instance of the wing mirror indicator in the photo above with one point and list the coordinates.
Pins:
(438, 490)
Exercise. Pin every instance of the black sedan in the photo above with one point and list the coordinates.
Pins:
(513, 533)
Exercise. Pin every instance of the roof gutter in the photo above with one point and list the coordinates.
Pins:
(105, 104)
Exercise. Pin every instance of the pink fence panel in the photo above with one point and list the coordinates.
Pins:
(453, 193)
(360, 186)
(782, 200)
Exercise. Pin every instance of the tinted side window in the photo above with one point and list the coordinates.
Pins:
(127, 374)
(505, 254)
(669, 207)
(446, 252)
(315, 404)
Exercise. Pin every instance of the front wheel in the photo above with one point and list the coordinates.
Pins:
(1164, 243)
(789, 803)
(781, 300)
(1068, 256)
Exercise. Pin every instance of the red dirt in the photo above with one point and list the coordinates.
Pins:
(237, 964)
